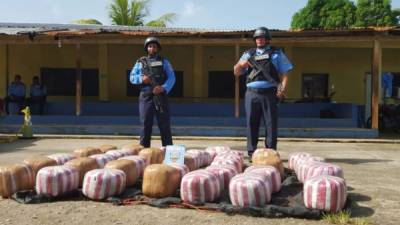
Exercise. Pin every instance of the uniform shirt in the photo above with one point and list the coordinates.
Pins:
(136, 75)
(38, 90)
(279, 60)
(17, 89)
(387, 84)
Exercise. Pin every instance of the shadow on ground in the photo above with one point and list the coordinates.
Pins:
(356, 161)
(353, 204)
(14, 144)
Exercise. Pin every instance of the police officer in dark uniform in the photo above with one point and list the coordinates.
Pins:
(266, 68)
(156, 78)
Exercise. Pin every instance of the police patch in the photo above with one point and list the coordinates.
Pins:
(261, 57)
(156, 63)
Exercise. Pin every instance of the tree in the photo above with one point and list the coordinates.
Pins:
(325, 14)
(396, 14)
(87, 21)
(133, 13)
(374, 13)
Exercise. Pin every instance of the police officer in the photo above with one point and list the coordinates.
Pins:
(16, 93)
(156, 78)
(266, 68)
(38, 95)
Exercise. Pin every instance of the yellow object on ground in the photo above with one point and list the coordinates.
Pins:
(26, 129)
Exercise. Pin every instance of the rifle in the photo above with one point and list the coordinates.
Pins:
(258, 69)
(158, 104)
(156, 98)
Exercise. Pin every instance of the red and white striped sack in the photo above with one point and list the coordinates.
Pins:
(215, 150)
(230, 155)
(62, 158)
(102, 159)
(229, 161)
(295, 157)
(116, 154)
(304, 160)
(327, 193)
(194, 160)
(99, 184)
(239, 153)
(248, 190)
(183, 169)
(205, 157)
(270, 171)
(200, 186)
(311, 169)
(140, 163)
(224, 174)
(57, 180)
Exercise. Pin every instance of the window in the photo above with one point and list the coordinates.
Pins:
(315, 85)
(221, 84)
(62, 82)
(177, 90)
(396, 85)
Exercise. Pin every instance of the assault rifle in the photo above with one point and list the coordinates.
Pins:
(156, 98)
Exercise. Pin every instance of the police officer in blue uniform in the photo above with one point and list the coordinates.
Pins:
(266, 68)
(156, 78)
(38, 95)
(16, 94)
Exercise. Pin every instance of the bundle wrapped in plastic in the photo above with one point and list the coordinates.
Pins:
(83, 165)
(15, 178)
(57, 180)
(160, 181)
(129, 168)
(268, 157)
(199, 187)
(105, 148)
(152, 155)
(95, 181)
(87, 151)
(62, 158)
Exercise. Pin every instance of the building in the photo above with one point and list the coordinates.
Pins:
(86, 67)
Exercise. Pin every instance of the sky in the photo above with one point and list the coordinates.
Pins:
(220, 14)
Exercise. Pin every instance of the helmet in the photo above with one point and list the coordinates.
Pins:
(262, 32)
(151, 40)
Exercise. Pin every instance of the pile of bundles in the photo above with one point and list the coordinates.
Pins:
(101, 171)
(323, 185)
(207, 175)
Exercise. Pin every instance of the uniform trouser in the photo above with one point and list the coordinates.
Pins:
(19, 100)
(147, 111)
(261, 105)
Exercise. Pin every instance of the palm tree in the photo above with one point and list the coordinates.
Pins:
(132, 13)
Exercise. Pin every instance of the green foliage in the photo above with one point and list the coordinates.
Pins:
(324, 14)
(374, 13)
(396, 14)
(120, 12)
(87, 21)
(341, 218)
(133, 13)
(344, 218)
(162, 21)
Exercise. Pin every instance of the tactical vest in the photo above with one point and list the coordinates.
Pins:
(264, 69)
(155, 69)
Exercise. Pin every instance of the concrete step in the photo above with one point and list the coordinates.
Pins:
(178, 130)
(285, 122)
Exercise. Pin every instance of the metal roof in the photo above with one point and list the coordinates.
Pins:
(13, 29)
(23, 28)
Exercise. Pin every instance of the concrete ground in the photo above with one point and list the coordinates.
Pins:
(371, 171)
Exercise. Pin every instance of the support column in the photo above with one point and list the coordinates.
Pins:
(3, 70)
(103, 73)
(237, 84)
(78, 94)
(198, 84)
(376, 78)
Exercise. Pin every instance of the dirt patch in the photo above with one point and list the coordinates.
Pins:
(371, 172)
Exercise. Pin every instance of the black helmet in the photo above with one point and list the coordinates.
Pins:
(151, 40)
(262, 32)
